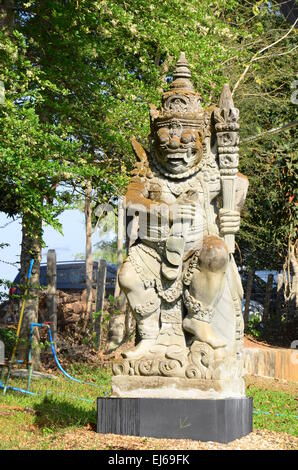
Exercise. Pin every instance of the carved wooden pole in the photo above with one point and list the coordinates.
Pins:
(100, 295)
(51, 292)
(227, 131)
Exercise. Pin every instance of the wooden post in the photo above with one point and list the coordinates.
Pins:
(279, 294)
(100, 295)
(120, 241)
(250, 280)
(52, 291)
(2, 353)
(267, 299)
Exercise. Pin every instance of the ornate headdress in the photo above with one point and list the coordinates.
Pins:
(181, 102)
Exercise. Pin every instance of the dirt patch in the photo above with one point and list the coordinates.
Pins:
(257, 440)
(272, 384)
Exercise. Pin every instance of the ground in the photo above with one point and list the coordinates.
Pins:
(63, 416)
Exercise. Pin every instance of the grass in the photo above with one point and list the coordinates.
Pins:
(274, 410)
(62, 406)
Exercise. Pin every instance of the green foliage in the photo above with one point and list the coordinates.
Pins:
(254, 326)
(270, 162)
(106, 250)
(8, 336)
(97, 314)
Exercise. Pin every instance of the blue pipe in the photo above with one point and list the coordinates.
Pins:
(41, 325)
(61, 368)
(16, 389)
(272, 414)
(57, 360)
(30, 269)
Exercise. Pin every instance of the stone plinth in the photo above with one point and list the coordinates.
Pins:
(174, 387)
(220, 420)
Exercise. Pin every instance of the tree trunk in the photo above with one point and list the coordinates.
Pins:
(250, 280)
(52, 292)
(89, 260)
(291, 281)
(266, 312)
(120, 242)
(31, 249)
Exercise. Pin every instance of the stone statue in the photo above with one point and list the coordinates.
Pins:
(180, 277)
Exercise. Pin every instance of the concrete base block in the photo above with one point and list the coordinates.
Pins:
(137, 386)
(221, 420)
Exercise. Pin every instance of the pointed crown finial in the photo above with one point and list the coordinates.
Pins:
(181, 101)
(182, 75)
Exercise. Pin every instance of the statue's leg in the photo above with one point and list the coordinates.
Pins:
(145, 305)
(205, 289)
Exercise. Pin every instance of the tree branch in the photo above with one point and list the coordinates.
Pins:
(272, 131)
(256, 56)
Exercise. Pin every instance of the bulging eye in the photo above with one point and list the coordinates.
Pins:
(187, 136)
(163, 135)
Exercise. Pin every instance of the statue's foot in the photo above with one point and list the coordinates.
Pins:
(140, 350)
(203, 332)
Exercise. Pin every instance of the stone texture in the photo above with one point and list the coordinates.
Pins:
(174, 387)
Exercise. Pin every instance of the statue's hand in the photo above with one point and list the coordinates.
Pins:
(229, 221)
(182, 212)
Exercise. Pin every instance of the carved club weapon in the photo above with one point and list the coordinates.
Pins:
(227, 132)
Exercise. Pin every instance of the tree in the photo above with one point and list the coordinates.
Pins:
(79, 77)
(263, 93)
(36, 154)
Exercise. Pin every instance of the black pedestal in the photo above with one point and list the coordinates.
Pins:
(221, 420)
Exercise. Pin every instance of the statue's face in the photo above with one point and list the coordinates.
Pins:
(178, 148)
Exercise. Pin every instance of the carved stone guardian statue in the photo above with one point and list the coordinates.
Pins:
(180, 277)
